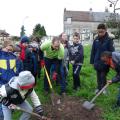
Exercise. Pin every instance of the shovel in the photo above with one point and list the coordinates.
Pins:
(52, 95)
(32, 113)
(89, 105)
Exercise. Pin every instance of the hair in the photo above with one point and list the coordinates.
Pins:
(102, 26)
(55, 39)
(106, 54)
(76, 35)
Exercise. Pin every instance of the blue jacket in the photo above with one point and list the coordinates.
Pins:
(76, 53)
(99, 46)
(9, 66)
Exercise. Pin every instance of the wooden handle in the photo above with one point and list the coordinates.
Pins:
(32, 113)
(99, 92)
(48, 78)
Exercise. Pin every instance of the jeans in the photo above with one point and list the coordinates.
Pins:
(76, 78)
(25, 116)
(49, 63)
(1, 112)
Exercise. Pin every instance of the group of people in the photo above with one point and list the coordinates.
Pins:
(20, 67)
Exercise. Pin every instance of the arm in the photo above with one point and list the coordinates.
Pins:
(111, 47)
(61, 52)
(116, 78)
(36, 102)
(34, 98)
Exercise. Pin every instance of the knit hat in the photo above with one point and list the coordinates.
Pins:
(26, 80)
(24, 39)
(7, 43)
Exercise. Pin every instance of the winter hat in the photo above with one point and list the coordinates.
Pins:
(7, 43)
(24, 39)
(26, 80)
(34, 45)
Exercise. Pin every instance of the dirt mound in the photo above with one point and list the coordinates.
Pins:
(71, 109)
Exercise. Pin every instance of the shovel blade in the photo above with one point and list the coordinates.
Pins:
(88, 105)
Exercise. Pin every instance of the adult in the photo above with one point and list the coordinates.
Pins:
(53, 55)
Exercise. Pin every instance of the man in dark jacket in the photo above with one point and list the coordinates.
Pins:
(101, 43)
(113, 60)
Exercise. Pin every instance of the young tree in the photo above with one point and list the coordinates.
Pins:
(39, 31)
(22, 33)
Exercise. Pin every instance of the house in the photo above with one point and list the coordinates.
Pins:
(3, 35)
(84, 22)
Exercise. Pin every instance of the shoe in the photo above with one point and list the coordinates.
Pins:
(105, 92)
(46, 92)
(63, 94)
(96, 91)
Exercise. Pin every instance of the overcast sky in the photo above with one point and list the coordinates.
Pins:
(14, 13)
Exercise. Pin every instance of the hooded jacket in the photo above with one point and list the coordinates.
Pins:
(12, 94)
(9, 66)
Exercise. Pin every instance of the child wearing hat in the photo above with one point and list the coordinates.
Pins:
(16, 92)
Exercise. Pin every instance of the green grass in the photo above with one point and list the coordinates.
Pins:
(88, 83)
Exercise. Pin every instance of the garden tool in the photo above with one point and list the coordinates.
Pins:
(32, 113)
(89, 105)
(53, 96)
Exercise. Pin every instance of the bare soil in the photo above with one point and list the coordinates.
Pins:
(70, 108)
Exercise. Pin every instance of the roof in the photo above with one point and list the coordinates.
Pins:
(3, 32)
(86, 16)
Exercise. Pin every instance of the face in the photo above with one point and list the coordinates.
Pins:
(25, 44)
(101, 32)
(64, 36)
(76, 39)
(104, 58)
(9, 48)
(56, 45)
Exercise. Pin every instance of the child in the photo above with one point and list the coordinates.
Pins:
(76, 59)
(101, 43)
(113, 60)
(16, 92)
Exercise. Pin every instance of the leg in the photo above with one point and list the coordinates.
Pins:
(103, 78)
(25, 105)
(99, 82)
(76, 73)
(62, 80)
(7, 113)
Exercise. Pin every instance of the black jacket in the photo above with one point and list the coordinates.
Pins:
(76, 53)
(99, 46)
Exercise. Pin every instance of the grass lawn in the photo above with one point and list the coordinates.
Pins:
(88, 86)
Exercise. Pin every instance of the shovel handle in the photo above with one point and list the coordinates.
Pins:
(48, 78)
(32, 113)
(99, 92)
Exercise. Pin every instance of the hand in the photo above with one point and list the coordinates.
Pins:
(109, 81)
(42, 63)
(12, 106)
(39, 110)
(72, 62)
(54, 76)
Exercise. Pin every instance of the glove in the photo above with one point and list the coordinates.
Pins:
(39, 110)
(72, 62)
(42, 63)
(12, 106)
(54, 76)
